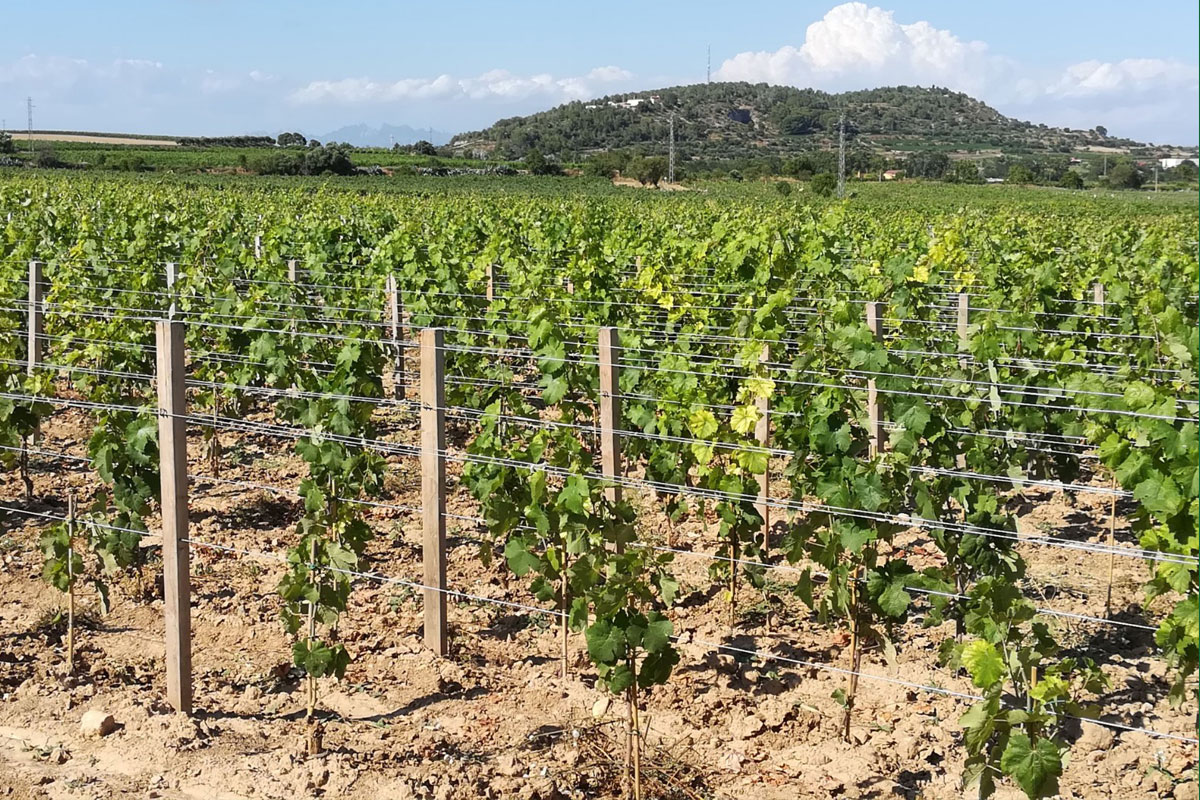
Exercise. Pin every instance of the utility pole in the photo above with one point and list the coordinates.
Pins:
(841, 189)
(1104, 172)
(29, 111)
(671, 152)
(708, 67)
(1156, 177)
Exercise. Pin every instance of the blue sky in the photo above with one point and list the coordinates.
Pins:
(234, 66)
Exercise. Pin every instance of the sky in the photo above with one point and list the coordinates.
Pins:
(213, 67)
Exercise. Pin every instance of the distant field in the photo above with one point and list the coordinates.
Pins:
(98, 150)
(93, 138)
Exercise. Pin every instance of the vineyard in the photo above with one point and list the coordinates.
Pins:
(529, 496)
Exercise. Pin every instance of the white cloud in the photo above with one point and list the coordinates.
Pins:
(856, 46)
(1132, 75)
(495, 84)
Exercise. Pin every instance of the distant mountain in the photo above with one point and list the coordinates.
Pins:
(718, 121)
(363, 135)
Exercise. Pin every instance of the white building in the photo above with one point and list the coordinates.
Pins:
(1171, 163)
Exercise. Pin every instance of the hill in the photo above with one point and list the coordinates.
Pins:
(363, 135)
(721, 121)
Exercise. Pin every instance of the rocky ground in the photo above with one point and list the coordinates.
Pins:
(496, 719)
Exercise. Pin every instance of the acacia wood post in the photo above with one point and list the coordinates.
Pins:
(433, 487)
(762, 434)
(172, 438)
(394, 317)
(172, 276)
(491, 283)
(258, 246)
(1098, 295)
(874, 404)
(37, 316)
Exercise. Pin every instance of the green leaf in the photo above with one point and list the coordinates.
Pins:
(520, 559)
(1138, 395)
(744, 419)
(983, 662)
(668, 588)
(555, 390)
(605, 641)
(658, 633)
(574, 495)
(618, 678)
(753, 461)
(1035, 768)
(656, 667)
(702, 423)
(1160, 496)
(894, 600)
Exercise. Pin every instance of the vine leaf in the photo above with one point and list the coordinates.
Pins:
(1035, 768)
(1159, 495)
(983, 662)
(744, 419)
(520, 560)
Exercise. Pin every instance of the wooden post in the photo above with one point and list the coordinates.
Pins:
(964, 345)
(964, 317)
(1098, 295)
(874, 411)
(172, 439)
(292, 270)
(37, 316)
(257, 246)
(491, 283)
(433, 487)
(762, 434)
(610, 410)
(171, 278)
(394, 330)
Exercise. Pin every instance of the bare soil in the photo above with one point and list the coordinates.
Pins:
(495, 719)
(76, 137)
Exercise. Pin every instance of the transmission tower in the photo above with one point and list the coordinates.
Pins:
(671, 152)
(29, 111)
(841, 189)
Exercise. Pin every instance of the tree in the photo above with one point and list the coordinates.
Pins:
(799, 124)
(648, 171)
(1186, 171)
(1101, 131)
(424, 148)
(6, 142)
(1071, 180)
(965, 172)
(927, 165)
(823, 184)
(1125, 176)
(1019, 173)
(535, 162)
(607, 164)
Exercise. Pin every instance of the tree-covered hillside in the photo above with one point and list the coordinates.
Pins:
(716, 121)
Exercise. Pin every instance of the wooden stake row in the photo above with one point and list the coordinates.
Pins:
(171, 372)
